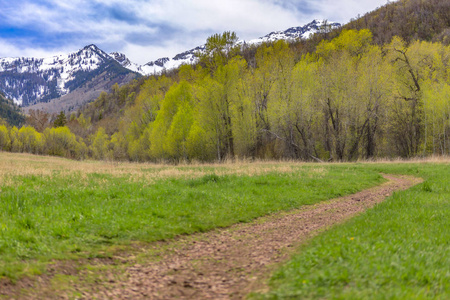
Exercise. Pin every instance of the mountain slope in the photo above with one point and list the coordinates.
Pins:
(9, 112)
(30, 80)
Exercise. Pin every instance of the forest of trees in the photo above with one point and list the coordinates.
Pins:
(349, 99)
(342, 95)
(426, 20)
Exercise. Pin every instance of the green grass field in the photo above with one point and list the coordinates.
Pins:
(398, 250)
(59, 211)
(53, 208)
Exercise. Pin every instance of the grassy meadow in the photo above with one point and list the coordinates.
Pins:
(53, 208)
(398, 250)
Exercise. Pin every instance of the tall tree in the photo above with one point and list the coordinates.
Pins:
(407, 106)
(219, 49)
(5, 141)
(179, 95)
(60, 120)
(39, 119)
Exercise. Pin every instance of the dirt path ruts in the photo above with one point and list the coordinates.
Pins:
(230, 263)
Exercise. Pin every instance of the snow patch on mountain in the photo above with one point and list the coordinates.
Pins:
(59, 70)
(33, 80)
(295, 33)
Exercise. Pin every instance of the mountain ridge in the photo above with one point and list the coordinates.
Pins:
(32, 82)
(29, 81)
(189, 56)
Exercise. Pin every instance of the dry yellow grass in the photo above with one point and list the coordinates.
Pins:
(14, 164)
(428, 159)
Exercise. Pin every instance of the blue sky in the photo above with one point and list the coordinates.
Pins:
(145, 30)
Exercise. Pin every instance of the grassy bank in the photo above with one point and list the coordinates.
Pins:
(398, 250)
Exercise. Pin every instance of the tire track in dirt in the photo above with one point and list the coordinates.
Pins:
(229, 263)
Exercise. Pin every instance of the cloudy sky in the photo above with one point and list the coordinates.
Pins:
(149, 29)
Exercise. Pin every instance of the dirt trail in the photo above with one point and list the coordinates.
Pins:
(230, 263)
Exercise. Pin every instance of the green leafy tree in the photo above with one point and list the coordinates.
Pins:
(30, 140)
(119, 146)
(100, 144)
(5, 141)
(261, 83)
(200, 142)
(175, 142)
(219, 49)
(374, 83)
(85, 123)
(407, 114)
(16, 145)
(139, 148)
(61, 141)
(179, 96)
(243, 118)
(281, 103)
(209, 131)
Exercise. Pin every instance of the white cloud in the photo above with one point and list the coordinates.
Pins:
(147, 29)
(238, 15)
(344, 10)
(144, 54)
(12, 50)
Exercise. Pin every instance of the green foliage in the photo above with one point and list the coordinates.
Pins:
(219, 49)
(200, 146)
(84, 123)
(29, 139)
(5, 140)
(100, 145)
(61, 142)
(175, 142)
(119, 146)
(15, 142)
(171, 127)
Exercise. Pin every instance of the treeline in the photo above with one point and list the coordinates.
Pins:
(53, 141)
(349, 99)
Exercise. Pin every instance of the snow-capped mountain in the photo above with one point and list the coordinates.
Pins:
(295, 33)
(189, 57)
(79, 77)
(32, 80)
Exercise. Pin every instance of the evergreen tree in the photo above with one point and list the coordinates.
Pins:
(60, 120)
